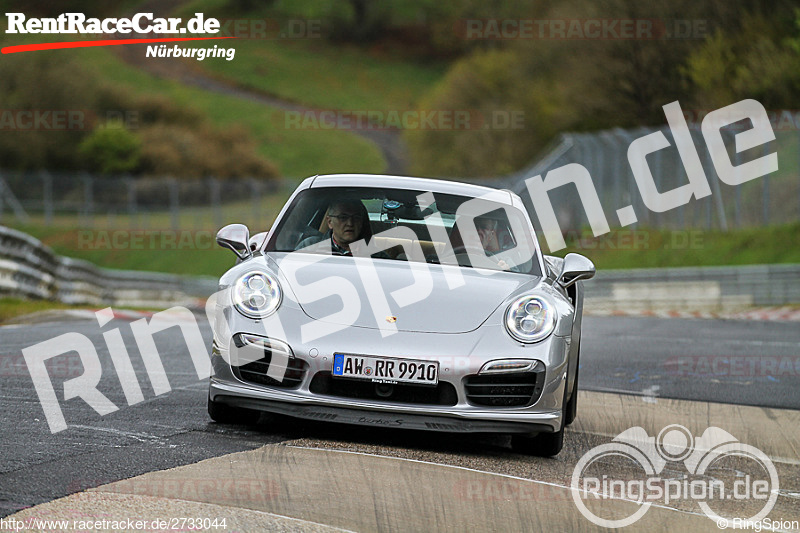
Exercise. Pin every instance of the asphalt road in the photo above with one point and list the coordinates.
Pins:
(713, 360)
(728, 361)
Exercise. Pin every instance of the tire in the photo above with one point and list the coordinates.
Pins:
(227, 414)
(571, 411)
(540, 445)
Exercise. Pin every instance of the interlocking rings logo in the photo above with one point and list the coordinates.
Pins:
(674, 443)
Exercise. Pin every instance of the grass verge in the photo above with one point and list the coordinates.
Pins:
(680, 248)
(187, 252)
(14, 307)
(311, 70)
(298, 153)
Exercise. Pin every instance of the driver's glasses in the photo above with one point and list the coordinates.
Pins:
(344, 218)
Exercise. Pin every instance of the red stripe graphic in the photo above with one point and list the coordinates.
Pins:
(86, 44)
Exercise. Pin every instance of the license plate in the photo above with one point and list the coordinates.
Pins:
(385, 369)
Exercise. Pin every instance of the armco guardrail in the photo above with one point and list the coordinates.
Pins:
(729, 288)
(31, 270)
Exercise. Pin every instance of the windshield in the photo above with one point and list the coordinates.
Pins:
(407, 225)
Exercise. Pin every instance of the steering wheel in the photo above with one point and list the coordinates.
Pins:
(474, 256)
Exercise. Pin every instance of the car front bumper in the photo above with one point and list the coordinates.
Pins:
(542, 415)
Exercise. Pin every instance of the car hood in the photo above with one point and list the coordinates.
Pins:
(318, 282)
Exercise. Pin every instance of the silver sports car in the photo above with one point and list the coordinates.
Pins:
(400, 302)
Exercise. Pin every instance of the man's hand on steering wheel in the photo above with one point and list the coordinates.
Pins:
(471, 252)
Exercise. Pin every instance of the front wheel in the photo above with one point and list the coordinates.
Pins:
(543, 444)
(571, 410)
(540, 445)
(227, 414)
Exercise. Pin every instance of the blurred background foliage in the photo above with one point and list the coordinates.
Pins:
(384, 56)
(152, 136)
(406, 55)
(749, 50)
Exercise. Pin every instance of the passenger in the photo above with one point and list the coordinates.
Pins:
(491, 242)
(487, 231)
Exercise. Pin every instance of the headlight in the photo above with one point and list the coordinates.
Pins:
(256, 294)
(530, 319)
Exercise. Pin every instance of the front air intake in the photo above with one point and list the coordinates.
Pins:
(261, 361)
(512, 389)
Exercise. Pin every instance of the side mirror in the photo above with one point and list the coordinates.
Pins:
(235, 237)
(576, 268)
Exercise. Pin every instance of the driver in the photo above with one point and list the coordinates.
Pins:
(347, 222)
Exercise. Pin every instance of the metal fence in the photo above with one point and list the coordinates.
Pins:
(86, 200)
(769, 200)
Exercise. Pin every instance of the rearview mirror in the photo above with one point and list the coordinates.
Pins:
(235, 237)
(576, 267)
